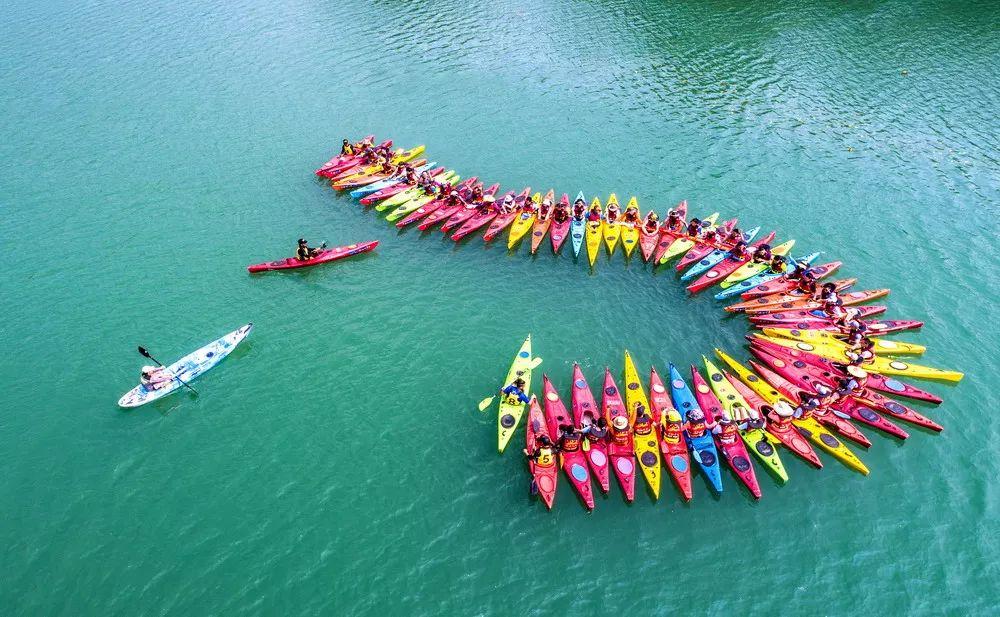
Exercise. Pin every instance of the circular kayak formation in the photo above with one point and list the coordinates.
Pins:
(819, 369)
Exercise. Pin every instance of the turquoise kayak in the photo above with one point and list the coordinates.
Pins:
(375, 187)
(715, 257)
(702, 448)
(188, 368)
(577, 228)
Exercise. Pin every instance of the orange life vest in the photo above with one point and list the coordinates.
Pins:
(696, 430)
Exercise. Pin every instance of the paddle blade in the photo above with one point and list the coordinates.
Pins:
(142, 351)
(485, 403)
(536, 362)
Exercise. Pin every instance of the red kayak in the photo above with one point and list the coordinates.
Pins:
(792, 296)
(464, 214)
(365, 180)
(464, 190)
(813, 315)
(340, 162)
(789, 437)
(475, 222)
(648, 241)
(442, 214)
(622, 455)
(726, 267)
(801, 377)
(585, 414)
(784, 285)
(804, 304)
(399, 187)
(701, 249)
(675, 454)
(794, 394)
(667, 236)
(735, 453)
(544, 474)
(558, 232)
(323, 257)
(574, 464)
(501, 222)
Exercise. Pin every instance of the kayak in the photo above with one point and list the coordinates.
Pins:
(343, 161)
(187, 369)
(395, 184)
(401, 198)
(594, 233)
(684, 243)
(704, 256)
(326, 256)
(752, 269)
(725, 267)
(817, 337)
(541, 226)
(675, 454)
(647, 447)
(735, 453)
(784, 284)
(340, 159)
(804, 304)
(523, 221)
(809, 427)
(498, 224)
(511, 411)
(544, 477)
(464, 190)
(786, 317)
(622, 456)
(630, 231)
(585, 414)
(764, 277)
(792, 296)
(800, 376)
(559, 231)
(474, 223)
(756, 439)
(667, 236)
(404, 209)
(787, 436)
(647, 241)
(702, 448)
(577, 228)
(875, 326)
(574, 464)
(612, 228)
(795, 393)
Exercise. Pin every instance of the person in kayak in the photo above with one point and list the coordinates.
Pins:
(515, 392)
(809, 405)
(673, 222)
(570, 438)
(780, 415)
(828, 293)
(305, 252)
(739, 252)
(347, 148)
(651, 223)
(544, 454)
(778, 265)
(631, 215)
(725, 429)
(733, 237)
(762, 254)
(595, 214)
(672, 427)
(155, 377)
(746, 418)
(643, 423)
(612, 213)
(579, 209)
(619, 431)
(694, 228)
(560, 214)
(857, 333)
(486, 205)
(864, 354)
(507, 204)
(597, 432)
(695, 425)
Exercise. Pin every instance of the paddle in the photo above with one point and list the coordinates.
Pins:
(486, 402)
(145, 352)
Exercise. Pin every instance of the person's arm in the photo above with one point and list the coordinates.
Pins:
(523, 397)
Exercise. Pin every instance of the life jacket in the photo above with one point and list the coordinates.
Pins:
(696, 430)
(570, 442)
(643, 427)
(728, 434)
(672, 432)
(546, 457)
(619, 437)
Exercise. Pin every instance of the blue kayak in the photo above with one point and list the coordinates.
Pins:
(375, 187)
(702, 448)
(577, 229)
(715, 257)
(759, 279)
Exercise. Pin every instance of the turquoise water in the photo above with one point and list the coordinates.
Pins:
(336, 463)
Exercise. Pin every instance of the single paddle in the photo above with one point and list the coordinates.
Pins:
(145, 352)
(486, 402)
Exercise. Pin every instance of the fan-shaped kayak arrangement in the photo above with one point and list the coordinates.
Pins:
(819, 368)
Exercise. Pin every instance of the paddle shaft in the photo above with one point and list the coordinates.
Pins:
(144, 352)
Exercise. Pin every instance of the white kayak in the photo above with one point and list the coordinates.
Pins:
(188, 368)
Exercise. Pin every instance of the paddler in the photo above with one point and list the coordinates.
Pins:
(595, 214)
(673, 222)
(856, 334)
(631, 215)
(570, 438)
(746, 418)
(506, 204)
(695, 425)
(579, 209)
(643, 423)
(305, 252)
(780, 415)
(739, 252)
(515, 392)
(848, 385)
(560, 213)
(545, 210)
(809, 405)
(613, 212)
(477, 193)
(733, 237)
(694, 228)
(828, 293)
(597, 433)
(778, 265)
(672, 427)
(762, 254)
(486, 205)
(155, 377)
(347, 149)
(619, 431)
(710, 235)
(544, 454)
(651, 222)
(726, 430)
(864, 354)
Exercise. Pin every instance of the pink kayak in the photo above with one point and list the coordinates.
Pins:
(342, 161)
(474, 223)
(464, 188)
(574, 464)
(585, 414)
(667, 236)
(621, 454)
(399, 187)
(560, 231)
(675, 454)
(544, 478)
(726, 267)
(784, 285)
(813, 315)
(791, 296)
(323, 257)
(443, 214)
(735, 453)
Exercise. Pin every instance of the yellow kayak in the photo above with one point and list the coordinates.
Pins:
(594, 234)
(647, 449)
(882, 366)
(612, 230)
(811, 427)
(882, 346)
(684, 244)
(403, 197)
(630, 231)
(421, 199)
(522, 224)
(511, 411)
(756, 440)
(753, 269)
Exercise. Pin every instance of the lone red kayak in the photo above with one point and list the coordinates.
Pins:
(326, 256)
(574, 463)
(622, 455)
(673, 448)
(585, 414)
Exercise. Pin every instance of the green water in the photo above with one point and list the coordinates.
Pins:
(336, 463)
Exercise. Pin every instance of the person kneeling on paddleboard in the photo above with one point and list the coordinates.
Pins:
(515, 392)
(155, 377)
(305, 253)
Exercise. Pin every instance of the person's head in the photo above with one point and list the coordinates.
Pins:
(695, 415)
(696, 221)
(740, 246)
(544, 440)
(829, 287)
(673, 416)
(822, 390)
(620, 423)
(519, 382)
(302, 242)
(725, 420)
(602, 423)
(346, 142)
(778, 260)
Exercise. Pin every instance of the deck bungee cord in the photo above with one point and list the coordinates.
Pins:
(818, 368)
